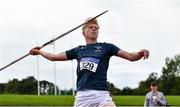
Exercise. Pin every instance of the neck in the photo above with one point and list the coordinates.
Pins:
(91, 41)
(154, 91)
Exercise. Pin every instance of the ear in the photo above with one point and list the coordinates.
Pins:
(83, 34)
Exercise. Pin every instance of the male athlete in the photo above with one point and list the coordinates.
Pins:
(93, 61)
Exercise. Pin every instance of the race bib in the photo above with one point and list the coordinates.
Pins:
(89, 63)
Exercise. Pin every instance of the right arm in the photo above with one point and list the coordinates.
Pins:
(146, 102)
(52, 57)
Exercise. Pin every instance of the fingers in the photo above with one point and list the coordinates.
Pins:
(35, 51)
(145, 53)
(38, 48)
(32, 52)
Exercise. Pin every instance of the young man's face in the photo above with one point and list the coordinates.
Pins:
(154, 88)
(91, 31)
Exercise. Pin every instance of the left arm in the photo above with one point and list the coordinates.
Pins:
(162, 101)
(133, 56)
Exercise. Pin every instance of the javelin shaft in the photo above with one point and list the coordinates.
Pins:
(53, 40)
(14, 61)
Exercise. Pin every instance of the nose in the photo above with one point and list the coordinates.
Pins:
(94, 28)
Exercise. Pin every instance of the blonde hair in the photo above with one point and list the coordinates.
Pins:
(94, 21)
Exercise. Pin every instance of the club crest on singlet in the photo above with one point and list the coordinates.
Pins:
(89, 63)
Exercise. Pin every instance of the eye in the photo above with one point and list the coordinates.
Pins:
(90, 27)
(96, 27)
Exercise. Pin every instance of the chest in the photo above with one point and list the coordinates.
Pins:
(92, 51)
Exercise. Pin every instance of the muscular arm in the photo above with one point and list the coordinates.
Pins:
(133, 56)
(53, 57)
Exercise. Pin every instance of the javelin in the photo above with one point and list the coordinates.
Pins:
(60, 36)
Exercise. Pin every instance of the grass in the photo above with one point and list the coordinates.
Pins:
(34, 100)
(129, 100)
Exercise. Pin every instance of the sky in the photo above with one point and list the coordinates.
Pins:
(129, 24)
